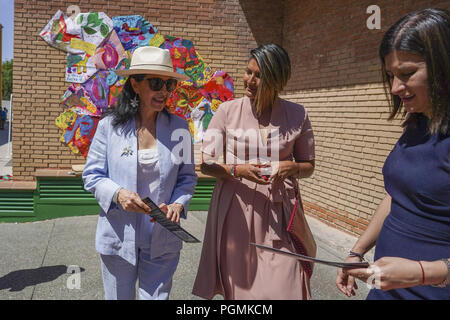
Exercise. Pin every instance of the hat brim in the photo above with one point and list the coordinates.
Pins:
(129, 72)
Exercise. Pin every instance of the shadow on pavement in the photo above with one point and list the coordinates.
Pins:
(20, 279)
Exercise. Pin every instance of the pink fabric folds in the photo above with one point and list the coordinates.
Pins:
(242, 212)
(301, 234)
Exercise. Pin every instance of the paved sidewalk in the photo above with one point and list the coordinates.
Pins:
(36, 257)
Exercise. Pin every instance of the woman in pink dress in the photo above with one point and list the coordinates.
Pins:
(257, 147)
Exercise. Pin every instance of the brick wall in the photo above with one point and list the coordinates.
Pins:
(218, 29)
(336, 76)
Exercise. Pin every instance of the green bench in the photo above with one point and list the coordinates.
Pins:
(59, 193)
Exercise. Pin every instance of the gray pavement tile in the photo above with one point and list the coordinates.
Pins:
(22, 251)
(72, 246)
(35, 258)
(186, 272)
(332, 244)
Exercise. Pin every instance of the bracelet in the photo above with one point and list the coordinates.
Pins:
(446, 281)
(423, 273)
(233, 170)
(355, 254)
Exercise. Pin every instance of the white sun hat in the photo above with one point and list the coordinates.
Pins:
(151, 60)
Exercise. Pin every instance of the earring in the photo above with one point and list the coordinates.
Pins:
(134, 102)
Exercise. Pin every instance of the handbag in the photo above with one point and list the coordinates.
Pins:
(301, 234)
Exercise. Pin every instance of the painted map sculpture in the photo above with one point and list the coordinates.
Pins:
(96, 45)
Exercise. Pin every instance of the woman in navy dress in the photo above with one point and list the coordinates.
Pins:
(411, 226)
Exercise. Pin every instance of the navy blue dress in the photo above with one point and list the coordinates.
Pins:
(417, 177)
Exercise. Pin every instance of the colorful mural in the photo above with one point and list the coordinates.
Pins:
(96, 45)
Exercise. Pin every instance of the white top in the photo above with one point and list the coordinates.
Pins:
(147, 186)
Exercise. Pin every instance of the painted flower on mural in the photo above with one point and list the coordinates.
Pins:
(133, 31)
(98, 89)
(114, 92)
(97, 45)
(182, 52)
(110, 53)
(184, 99)
(219, 86)
(110, 57)
(200, 73)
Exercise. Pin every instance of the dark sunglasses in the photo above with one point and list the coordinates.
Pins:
(157, 84)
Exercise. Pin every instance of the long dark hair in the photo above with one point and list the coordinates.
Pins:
(427, 34)
(275, 68)
(123, 110)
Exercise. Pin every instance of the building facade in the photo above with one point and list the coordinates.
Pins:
(335, 75)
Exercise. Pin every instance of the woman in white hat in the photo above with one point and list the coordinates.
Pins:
(131, 158)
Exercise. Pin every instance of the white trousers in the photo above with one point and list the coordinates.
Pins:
(153, 276)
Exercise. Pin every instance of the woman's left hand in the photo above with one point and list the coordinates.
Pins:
(172, 211)
(389, 273)
(283, 170)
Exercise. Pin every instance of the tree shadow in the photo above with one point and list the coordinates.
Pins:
(20, 279)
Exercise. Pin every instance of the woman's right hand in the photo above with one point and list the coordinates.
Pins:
(346, 283)
(132, 202)
(251, 172)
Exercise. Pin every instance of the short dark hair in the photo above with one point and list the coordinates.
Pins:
(427, 34)
(275, 69)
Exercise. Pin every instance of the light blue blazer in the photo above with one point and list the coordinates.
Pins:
(112, 163)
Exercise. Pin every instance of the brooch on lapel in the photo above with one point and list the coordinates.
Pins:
(127, 152)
